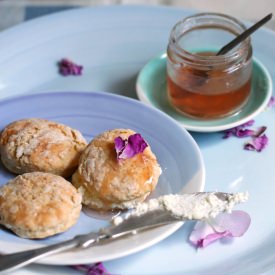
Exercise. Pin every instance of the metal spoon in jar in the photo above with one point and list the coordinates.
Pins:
(243, 35)
(205, 75)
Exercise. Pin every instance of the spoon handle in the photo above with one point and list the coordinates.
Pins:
(244, 35)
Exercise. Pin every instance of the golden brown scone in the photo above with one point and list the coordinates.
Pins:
(31, 145)
(38, 205)
(105, 182)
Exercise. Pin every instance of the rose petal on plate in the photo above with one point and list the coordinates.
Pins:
(233, 224)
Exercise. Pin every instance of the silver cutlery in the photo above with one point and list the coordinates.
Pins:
(128, 225)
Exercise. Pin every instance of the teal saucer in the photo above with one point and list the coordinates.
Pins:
(151, 89)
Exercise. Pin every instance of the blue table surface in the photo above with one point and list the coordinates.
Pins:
(31, 12)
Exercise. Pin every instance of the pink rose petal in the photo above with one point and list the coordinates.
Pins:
(244, 133)
(239, 131)
(203, 235)
(234, 224)
(93, 269)
(257, 144)
(67, 67)
(130, 147)
(260, 131)
(271, 102)
(119, 144)
(259, 140)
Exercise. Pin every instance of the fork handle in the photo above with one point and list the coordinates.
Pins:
(10, 262)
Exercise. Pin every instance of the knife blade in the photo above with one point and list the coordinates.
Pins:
(131, 223)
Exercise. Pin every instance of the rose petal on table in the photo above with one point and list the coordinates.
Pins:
(239, 131)
(98, 269)
(203, 235)
(93, 269)
(233, 224)
(68, 67)
(257, 144)
(244, 133)
(237, 222)
(260, 131)
(271, 102)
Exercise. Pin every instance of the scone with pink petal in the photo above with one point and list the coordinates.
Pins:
(117, 169)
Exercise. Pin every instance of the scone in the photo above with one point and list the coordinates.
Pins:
(38, 205)
(35, 144)
(107, 182)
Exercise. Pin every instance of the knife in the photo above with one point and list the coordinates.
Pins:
(130, 224)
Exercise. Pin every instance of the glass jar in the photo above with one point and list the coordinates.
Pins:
(201, 84)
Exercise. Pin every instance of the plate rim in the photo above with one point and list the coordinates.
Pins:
(170, 229)
(207, 129)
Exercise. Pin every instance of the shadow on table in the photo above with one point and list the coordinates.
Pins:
(208, 139)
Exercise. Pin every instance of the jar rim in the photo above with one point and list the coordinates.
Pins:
(231, 56)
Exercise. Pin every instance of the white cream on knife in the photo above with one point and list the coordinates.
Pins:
(197, 206)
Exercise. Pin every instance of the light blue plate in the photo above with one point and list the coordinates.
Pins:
(151, 89)
(93, 113)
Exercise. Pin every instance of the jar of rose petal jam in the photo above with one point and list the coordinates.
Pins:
(201, 84)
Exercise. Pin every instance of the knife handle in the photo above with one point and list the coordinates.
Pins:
(10, 262)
